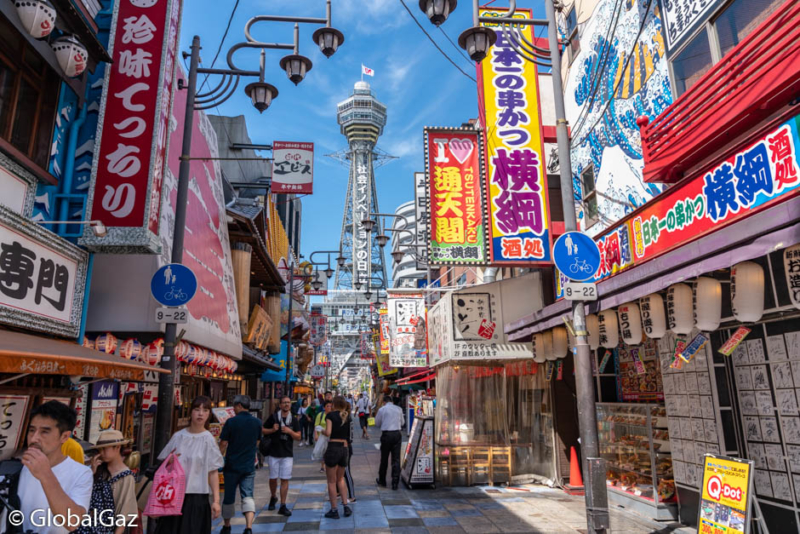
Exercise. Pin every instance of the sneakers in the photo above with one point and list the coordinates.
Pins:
(225, 530)
(333, 513)
(272, 503)
(248, 531)
(395, 485)
(284, 511)
(347, 511)
(378, 482)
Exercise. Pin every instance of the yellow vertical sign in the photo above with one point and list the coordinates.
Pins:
(724, 507)
(517, 199)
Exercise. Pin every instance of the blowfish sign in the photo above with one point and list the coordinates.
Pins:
(292, 167)
(457, 229)
(129, 168)
(517, 200)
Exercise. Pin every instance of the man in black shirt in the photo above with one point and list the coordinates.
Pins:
(238, 442)
(284, 428)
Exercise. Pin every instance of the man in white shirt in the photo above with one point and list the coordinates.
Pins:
(50, 483)
(362, 409)
(390, 421)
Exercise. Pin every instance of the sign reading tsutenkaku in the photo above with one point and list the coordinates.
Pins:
(408, 344)
(456, 220)
(128, 171)
(516, 181)
(292, 167)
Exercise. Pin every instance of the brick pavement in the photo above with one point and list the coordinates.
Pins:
(528, 509)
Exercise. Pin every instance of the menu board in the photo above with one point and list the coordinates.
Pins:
(727, 494)
(417, 465)
(638, 376)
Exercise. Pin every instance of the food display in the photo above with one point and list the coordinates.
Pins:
(634, 441)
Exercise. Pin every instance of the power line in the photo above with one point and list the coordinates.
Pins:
(455, 46)
(222, 42)
(434, 43)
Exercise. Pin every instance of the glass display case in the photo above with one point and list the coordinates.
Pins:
(634, 442)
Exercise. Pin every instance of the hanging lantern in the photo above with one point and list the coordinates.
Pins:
(547, 338)
(130, 349)
(106, 343)
(654, 320)
(747, 291)
(707, 304)
(791, 268)
(608, 327)
(594, 331)
(191, 355)
(154, 353)
(630, 323)
(560, 342)
(37, 16)
(181, 351)
(71, 55)
(680, 315)
(538, 348)
(234, 366)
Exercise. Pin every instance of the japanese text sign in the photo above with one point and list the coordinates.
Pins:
(13, 409)
(385, 334)
(319, 329)
(408, 344)
(457, 228)
(42, 277)
(726, 495)
(128, 170)
(421, 211)
(292, 167)
(681, 17)
(734, 341)
(516, 182)
(791, 268)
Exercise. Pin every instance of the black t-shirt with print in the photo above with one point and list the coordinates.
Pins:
(282, 444)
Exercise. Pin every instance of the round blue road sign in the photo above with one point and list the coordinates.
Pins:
(577, 256)
(173, 285)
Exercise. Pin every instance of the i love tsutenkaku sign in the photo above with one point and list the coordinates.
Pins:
(129, 166)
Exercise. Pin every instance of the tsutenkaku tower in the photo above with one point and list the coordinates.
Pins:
(362, 118)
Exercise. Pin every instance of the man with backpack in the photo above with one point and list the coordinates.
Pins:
(283, 428)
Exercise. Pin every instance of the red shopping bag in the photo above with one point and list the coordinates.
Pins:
(169, 488)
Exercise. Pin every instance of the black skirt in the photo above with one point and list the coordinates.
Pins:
(195, 518)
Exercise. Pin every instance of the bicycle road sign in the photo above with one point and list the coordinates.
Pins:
(173, 285)
(577, 256)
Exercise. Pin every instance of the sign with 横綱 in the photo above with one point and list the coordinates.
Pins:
(129, 167)
(292, 167)
(726, 497)
(42, 277)
(457, 228)
(517, 200)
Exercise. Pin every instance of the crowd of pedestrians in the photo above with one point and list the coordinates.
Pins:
(53, 475)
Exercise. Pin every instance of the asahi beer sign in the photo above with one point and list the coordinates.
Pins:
(42, 277)
(292, 167)
(128, 171)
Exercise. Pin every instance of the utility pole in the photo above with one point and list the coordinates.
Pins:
(289, 342)
(166, 381)
(594, 471)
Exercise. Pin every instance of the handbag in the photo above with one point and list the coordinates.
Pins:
(320, 447)
(169, 489)
(370, 421)
(264, 445)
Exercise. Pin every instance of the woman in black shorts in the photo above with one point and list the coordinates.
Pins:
(338, 454)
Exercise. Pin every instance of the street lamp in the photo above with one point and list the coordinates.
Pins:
(477, 41)
(296, 67)
(382, 240)
(437, 11)
(368, 294)
(397, 255)
(261, 95)
(368, 224)
(340, 260)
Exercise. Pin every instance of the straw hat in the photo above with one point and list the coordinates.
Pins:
(110, 438)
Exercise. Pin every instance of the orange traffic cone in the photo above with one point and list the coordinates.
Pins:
(575, 486)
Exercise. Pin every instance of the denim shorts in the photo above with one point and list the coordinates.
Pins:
(337, 455)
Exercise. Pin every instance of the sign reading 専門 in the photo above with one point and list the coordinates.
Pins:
(129, 166)
(517, 200)
(457, 228)
(726, 495)
(759, 176)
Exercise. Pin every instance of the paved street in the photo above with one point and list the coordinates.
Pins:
(528, 509)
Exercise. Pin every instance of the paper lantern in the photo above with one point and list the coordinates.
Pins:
(680, 315)
(106, 343)
(747, 291)
(707, 304)
(181, 351)
(538, 348)
(234, 366)
(560, 342)
(791, 268)
(594, 331)
(630, 323)
(71, 55)
(608, 328)
(130, 349)
(547, 338)
(654, 319)
(191, 355)
(38, 17)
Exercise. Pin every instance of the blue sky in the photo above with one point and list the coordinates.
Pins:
(419, 86)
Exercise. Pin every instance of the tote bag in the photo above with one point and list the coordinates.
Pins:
(169, 489)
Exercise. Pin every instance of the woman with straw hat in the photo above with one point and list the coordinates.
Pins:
(114, 486)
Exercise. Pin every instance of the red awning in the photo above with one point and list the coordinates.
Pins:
(407, 381)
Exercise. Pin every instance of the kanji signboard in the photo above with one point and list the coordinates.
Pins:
(292, 167)
(42, 277)
(517, 201)
(456, 221)
(682, 17)
(408, 344)
(319, 329)
(128, 172)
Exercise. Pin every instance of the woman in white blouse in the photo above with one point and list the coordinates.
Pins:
(200, 458)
